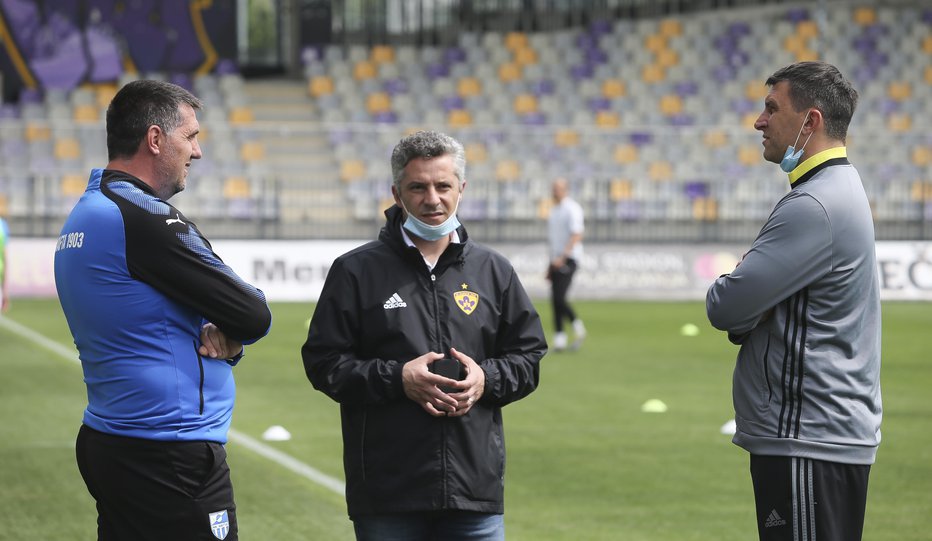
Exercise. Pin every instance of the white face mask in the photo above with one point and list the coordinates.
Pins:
(431, 232)
(792, 156)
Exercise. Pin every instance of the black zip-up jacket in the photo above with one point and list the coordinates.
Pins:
(381, 307)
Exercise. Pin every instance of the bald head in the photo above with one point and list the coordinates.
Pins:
(560, 187)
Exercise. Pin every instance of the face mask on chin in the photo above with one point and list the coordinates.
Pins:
(431, 232)
(791, 156)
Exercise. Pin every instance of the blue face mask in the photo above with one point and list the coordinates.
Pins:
(431, 232)
(792, 156)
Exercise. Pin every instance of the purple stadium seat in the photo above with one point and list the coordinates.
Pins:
(437, 70)
(599, 103)
(686, 88)
(386, 117)
(640, 139)
(681, 119)
(541, 87)
(629, 211)
(581, 71)
(8, 110)
(694, 189)
(451, 102)
(797, 15)
(537, 118)
(453, 55)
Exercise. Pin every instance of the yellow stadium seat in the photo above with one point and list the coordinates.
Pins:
(671, 104)
(507, 170)
(899, 122)
(807, 28)
(566, 137)
(705, 209)
(86, 114)
(794, 43)
(653, 73)
(625, 154)
(351, 170)
(922, 156)
(73, 185)
(468, 87)
(613, 88)
(544, 206)
(364, 70)
(36, 131)
(509, 71)
(525, 103)
(322, 85)
(378, 102)
(928, 75)
(476, 153)
(667, 58)
(715, 138)
(748, 120)
(755, 90)
(655, 43)
(383, 54)
(806, 55)
(241, 115)
(750, 154)
(515, 41)
(660, 171)
(899, 90)
(4, 205)
(927, 45)
(865, 16)
(526, 56)
(104, 95)
(252, 151)
(236, 187)
(67, 149)
(620, 190)
(921, 191)
(459, 118)
(670, 28)
(607, 119)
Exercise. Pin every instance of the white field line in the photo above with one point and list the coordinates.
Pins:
(283, 459)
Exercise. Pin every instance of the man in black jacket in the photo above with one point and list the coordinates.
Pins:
(424, 454)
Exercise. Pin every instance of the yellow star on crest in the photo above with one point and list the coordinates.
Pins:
(464, 285)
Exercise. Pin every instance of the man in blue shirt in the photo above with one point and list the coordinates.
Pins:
(159, 322)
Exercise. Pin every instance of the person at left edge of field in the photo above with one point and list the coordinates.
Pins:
(159, 321)
(4, 237)
(423, 462)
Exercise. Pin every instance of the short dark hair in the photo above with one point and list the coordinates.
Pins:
(427, 144)
(820, 85)
(140, 104)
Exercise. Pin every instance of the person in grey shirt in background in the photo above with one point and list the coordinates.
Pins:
(565, 227)
(804, 305)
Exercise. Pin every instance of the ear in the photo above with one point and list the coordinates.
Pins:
(154, 139)
(816, 122)
(396, 196)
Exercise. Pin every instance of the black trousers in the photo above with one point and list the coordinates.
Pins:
(800, 499)
(156, 490)
(560, 280)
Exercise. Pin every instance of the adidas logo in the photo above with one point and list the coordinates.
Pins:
(394, 301)
(774, 520)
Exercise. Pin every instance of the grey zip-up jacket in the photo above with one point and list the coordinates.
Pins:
(804, 304)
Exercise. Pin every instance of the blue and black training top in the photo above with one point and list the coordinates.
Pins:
(137, 280)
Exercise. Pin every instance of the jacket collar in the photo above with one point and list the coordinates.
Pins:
(816, 163)
(114, 174)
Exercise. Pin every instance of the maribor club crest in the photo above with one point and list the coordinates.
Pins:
(466, 300)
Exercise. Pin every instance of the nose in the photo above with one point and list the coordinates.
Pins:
(196, 151)
(761, 122)
(431, 196)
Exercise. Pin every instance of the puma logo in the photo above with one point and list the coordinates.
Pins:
(174, 221)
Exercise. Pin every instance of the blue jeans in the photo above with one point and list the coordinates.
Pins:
(431, 526)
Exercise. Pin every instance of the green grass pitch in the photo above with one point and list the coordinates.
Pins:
(584, 463)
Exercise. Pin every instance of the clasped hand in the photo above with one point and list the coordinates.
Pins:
(423, 386)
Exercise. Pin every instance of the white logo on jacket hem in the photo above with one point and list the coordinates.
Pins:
(774, 520)
(394, 301)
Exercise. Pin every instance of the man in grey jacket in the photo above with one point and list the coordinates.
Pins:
(804, 304)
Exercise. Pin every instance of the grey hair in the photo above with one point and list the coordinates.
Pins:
(427, 144)
(821, 86)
